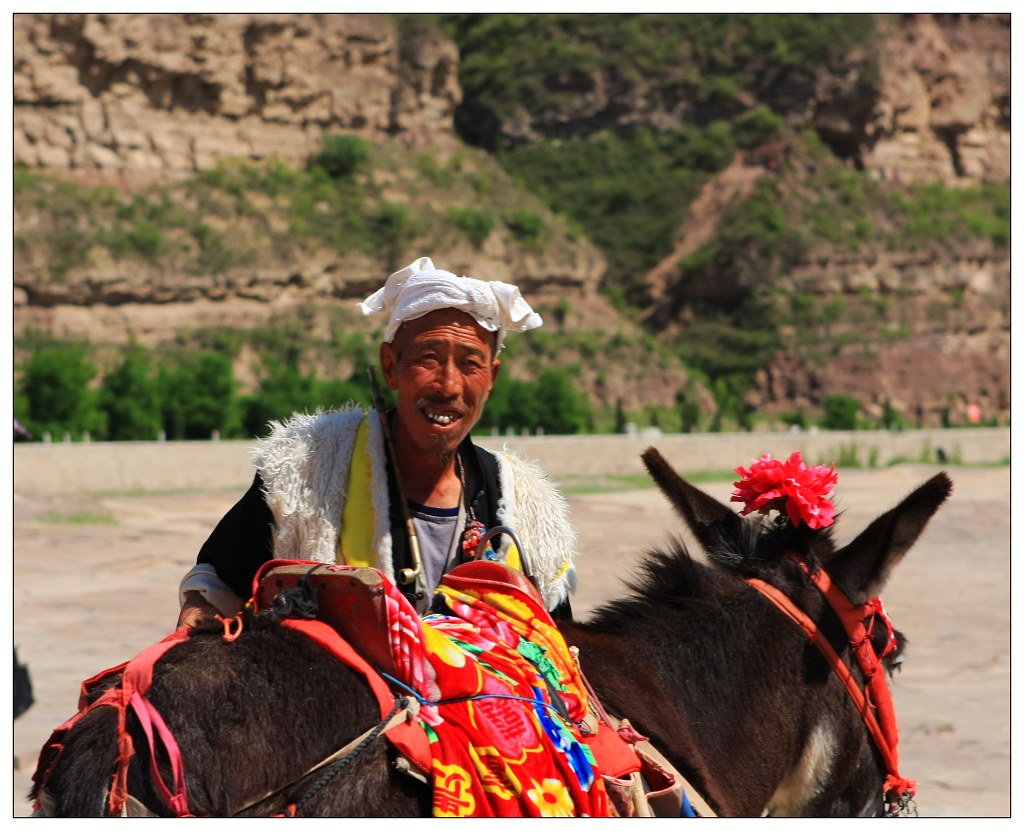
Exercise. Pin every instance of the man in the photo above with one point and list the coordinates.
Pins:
(327, 489)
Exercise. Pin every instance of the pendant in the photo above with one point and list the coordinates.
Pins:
(471, 539)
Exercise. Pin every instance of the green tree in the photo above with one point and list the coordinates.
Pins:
(198, 395)
(336, 392)
(54, 391)
(756, 126)
(525, 410)
(891, 418)
(283, 390)
(620, 416)
(496, 411)
(689, 408)
(130, 397)
(563, 409)
(730, 404)
(840, 412)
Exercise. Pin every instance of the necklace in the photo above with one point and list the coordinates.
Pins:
(475, 529)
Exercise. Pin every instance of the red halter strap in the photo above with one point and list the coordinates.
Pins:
(135, 683)
(874, 702)
(136, 678)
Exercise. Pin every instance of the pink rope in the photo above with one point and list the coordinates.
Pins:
(150, 718)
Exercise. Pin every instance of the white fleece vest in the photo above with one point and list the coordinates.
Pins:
(304, 464)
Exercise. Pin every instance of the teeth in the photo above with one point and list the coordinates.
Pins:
(440, 418)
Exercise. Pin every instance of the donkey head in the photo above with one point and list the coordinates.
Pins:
(819, 781)
(748, 545)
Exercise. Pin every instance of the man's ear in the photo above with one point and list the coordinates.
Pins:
(495, 366)
(388, 365)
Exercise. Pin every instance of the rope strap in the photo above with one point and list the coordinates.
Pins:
(874, 702)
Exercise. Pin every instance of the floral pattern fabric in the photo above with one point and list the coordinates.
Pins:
(501, 700)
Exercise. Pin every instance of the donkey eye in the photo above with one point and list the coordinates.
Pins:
(894, 660)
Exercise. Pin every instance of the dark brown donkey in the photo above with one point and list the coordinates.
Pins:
(724, 684)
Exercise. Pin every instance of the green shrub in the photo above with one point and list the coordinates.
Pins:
(696, 262)
(130, 397)
(396, 228)
(330, 212)
(514, 63)
(759, 230)
(564, 410)
(283, 389)
(437, 174)
(551, 403)
(341, 156)
(331, 394)
(840, 412)
(757, 126)
(25, 179)
(730, 345)
(477, 225)
(525, 225)
(795, 418)
(620, 417)
(67, 247)
(513, 405)
(216, 254)
(146, 240)
(55, 394)
(891, 418)
(197, 393)
(689, 409)
(730, 406)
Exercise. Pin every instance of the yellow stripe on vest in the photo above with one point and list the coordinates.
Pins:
(358, 517)
(512, 557)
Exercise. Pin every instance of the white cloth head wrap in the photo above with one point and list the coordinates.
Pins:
(419, 289)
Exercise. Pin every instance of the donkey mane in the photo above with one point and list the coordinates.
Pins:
(736, 548)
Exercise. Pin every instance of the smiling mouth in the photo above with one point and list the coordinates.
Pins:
(444, 419)
(441, 416)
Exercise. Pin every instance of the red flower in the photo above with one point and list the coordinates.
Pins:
(802, 492)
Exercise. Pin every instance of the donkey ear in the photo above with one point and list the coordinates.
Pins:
(697, 509)
(863, 566)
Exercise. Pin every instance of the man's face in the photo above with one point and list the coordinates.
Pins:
(443, 368)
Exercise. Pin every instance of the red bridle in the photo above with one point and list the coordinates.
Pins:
(874, 701)
(130, 693)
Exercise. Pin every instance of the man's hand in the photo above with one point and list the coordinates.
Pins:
(196, 611)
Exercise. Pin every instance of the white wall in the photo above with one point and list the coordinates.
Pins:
(214, 465)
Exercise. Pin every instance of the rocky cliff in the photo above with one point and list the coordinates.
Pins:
(165, 95)
(142, 100)
(941, 108)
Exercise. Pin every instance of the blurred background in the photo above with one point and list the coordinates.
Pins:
(729, 222)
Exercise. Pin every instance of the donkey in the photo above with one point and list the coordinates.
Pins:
(729, 689)
(733, 694)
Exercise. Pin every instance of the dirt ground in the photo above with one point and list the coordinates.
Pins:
(95, 581)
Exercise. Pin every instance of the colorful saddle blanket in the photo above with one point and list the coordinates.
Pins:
(501, 699)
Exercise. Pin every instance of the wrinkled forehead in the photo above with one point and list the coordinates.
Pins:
(443, 322)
